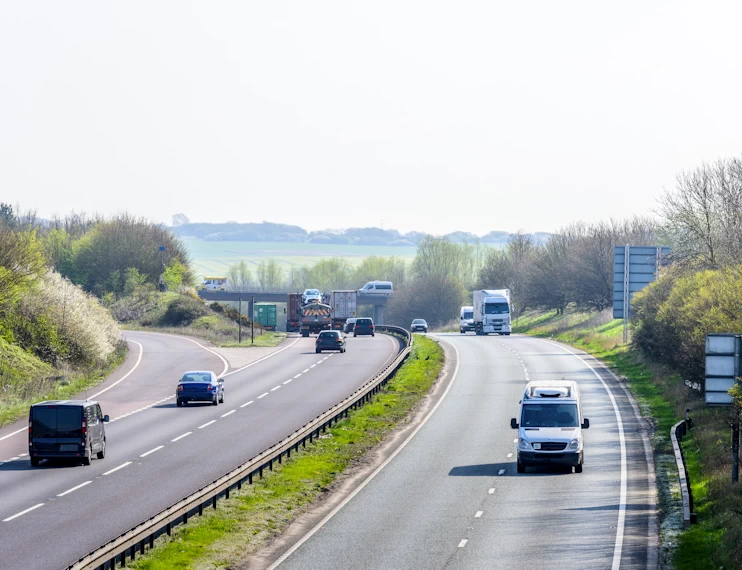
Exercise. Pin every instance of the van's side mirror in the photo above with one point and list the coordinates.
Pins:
(106, 418)
(221, 380)
(513, 423)
(585, 423)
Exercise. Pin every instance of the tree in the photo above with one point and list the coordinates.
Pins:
(180, 219)
(270, 275)
(435, 298)
(438, 257)
(239, 276)
(21, 262)
(375, 268)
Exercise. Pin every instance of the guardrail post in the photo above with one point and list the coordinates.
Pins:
(141, 546)
(169, 529)
(185, 517)
(226, 493)
(249, 479)
(213, 501)
(151, 541)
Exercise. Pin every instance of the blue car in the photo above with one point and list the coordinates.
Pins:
(200, 386)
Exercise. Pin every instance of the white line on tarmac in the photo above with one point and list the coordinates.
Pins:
(462, 544)
(247, 403)
(181, 436)
(23, 512)
(262, 395)
(297, 375)
(274, 389)
(501, 472)
(491, 491)
(478, 514)
(80, 486)
(207, 424)
(159, 447)
(510, 455)
(125, 376)
(117, 468)
(289, 380)
(229, 413)
(305, 371)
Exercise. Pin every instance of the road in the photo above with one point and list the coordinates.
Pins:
(157, 453)
(451, 497)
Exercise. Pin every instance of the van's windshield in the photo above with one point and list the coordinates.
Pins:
(468, 315)
(57, 421)
(550, 415)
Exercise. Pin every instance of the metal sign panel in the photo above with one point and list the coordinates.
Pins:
(634, 267)
(722, 367)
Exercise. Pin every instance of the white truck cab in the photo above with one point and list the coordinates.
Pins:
(551, 424)
(492, 311)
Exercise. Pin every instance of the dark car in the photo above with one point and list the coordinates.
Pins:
(64, 429)
(329, 340)
(419, 325)
(200, 386)
(364, 325)
(349, 325)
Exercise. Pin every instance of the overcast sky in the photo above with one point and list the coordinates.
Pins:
(413, 115)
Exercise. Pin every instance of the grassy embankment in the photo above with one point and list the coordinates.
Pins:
(24, 380)
(250, 518)
(192, 318)
(663, 396)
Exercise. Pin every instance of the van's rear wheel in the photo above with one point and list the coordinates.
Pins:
(521, 468)
(578, 468)
(35, 461)
(88, 457)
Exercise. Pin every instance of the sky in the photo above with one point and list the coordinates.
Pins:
(408, 115)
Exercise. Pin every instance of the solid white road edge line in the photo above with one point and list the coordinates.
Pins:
(617, 550)
(207, 424)
(186, 434)
(125, 376)
(117, 468)
(158, 448)
(80, 486)
(368, 479)
(23, 512)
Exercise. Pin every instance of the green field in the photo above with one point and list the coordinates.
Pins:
(215, 257)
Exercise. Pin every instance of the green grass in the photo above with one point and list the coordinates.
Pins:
(245, 522)
(26, 380)
(215, 257)
(716, 541)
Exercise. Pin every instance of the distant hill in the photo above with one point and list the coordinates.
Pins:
(270, 232)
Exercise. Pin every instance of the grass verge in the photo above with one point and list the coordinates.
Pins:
(29, 381)
(250, 518)
(663, 397)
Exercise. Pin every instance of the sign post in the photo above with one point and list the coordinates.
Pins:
(723, 351)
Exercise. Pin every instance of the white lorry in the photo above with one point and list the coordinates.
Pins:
(492, 311)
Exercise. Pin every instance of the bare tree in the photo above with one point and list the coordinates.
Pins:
(239, 276)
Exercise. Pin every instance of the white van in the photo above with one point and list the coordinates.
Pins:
(551, 424)
(466, 319)
(376, 288)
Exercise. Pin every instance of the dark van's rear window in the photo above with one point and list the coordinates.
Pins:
(57, 421)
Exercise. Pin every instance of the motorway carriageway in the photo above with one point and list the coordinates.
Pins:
(158, 453)
(449, 496)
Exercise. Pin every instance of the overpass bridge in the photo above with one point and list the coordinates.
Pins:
(377, 301)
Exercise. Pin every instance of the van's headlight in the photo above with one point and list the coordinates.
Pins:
(574, 445)
(523, 444)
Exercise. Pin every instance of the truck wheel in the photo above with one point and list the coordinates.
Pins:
(305, 334)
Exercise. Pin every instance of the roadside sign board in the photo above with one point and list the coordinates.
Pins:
(634, 267)
(722, 367)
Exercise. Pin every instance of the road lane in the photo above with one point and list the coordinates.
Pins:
(452, 498)
(159, 455)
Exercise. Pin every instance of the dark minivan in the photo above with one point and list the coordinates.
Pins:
(66, 429)
(364, 326)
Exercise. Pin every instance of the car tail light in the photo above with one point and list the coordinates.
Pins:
(209, 388)
(84, 431)
(30, 431)
(372, 327)
(180, 387)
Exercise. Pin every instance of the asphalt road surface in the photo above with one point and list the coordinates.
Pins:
(158, 453)
(451, 497)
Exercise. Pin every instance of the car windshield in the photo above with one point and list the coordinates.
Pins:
(496, 308)
(196, 377)
(418, 322)
(550, 415)
(311, 292)
(328, 334)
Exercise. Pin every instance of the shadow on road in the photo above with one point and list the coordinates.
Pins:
(506, 470)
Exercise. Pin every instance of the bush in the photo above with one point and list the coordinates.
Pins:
(182, 311)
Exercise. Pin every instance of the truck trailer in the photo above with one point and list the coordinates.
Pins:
(344, 306)
(492, 311)
(293, 312)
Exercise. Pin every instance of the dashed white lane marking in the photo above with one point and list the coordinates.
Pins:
(515, 441)
(262, 395)
(296, 376)
(229, 413)
(274, 389)
(510, 455)
(181, 436)
(117, 468)
(207, 424)
(289, 380)
(247, 403)
(80, 486)
(478, 514)
(158, 448)
(319, 362)
(23, 512)
(312, 366)
(501, 472)
(491, 491)
(462, 544)
(305, 371)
